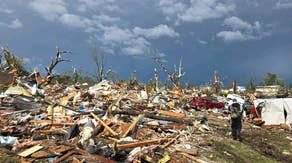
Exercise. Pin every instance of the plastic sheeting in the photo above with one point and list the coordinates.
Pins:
(273, 111)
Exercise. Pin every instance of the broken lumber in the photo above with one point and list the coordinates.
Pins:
(142, 143)
(25, 145)
(171, 114)
(49, 121)
(49, 132)
(188, 121)
(94, 156)
(133, 125)
(43, 154)
(192, 157)
(104, 124)
(170, 142)
(165, 127)
(65, 156)
(30, 151)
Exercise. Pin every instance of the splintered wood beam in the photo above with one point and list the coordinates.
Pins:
(188, 121)
(95, 157)
(64, 157)
(25, 145)
(49, 132)
(171, 114)
(104, 124)
(77, 150)
(142, 143)
(192, 157)
(165, 127)
(133, 125)
(115, 105)
(170, 142)
(55, 123)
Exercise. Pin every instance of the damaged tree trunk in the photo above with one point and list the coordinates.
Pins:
(176, 75)
(55, 61)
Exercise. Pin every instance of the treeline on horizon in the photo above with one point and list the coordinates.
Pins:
(15, 64)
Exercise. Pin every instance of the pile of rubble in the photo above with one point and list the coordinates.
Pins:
(45, 121)
(105, 122)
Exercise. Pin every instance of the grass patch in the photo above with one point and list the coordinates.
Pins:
(234, 151)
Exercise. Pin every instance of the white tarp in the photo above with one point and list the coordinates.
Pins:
(238, 98)
(288, 108)
(229, 100)
(273, 110)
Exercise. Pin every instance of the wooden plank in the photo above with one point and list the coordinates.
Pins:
(187, 121)
(49, 132)
(142, 143)
(257, 119)
(30, 151)
(95, 157)
(43, 154)
(171, 114)
(170, 142)
(64, 156)
(25, 145)
(104, 124)
(75, 160)
(192, 157)
(133, 125)
(55, 123)
(175, 127)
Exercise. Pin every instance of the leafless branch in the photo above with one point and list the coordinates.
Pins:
(173, 77)
(57, 60)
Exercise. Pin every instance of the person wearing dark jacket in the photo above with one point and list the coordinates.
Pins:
(236, 120)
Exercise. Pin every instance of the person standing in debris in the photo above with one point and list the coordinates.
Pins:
(236, 119)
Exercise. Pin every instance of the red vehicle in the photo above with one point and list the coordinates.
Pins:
(205, 102)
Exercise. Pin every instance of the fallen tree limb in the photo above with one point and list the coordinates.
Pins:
(188, 121)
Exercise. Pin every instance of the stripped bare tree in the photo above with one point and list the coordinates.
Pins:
(98, 58)
(156, 80)
(216, 82)
(174, 76)
(56, 60)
